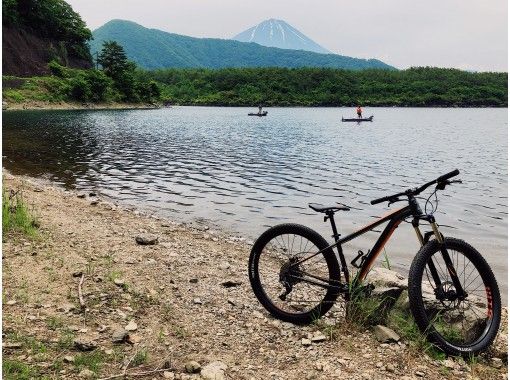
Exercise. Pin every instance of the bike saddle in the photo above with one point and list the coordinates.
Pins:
(321, 208)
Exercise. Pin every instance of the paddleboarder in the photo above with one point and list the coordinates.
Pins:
(359, 112)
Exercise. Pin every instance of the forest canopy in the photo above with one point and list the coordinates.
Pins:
(420, 87)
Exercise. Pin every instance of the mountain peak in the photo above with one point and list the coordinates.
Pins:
(278, 33)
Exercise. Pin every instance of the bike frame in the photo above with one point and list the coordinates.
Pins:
(394, 218)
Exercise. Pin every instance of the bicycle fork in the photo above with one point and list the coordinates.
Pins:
(460, 294)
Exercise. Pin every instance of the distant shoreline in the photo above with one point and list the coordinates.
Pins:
(44, 105)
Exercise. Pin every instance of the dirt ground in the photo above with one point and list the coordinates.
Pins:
(173, 300)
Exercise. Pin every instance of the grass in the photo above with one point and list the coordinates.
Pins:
(16, 370)
(16, 215)
(141, 357)
(90, 360)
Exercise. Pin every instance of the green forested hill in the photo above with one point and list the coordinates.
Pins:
(38, 31)
(420, 87)
(155, 49)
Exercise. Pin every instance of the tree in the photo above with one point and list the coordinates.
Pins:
(113, 60)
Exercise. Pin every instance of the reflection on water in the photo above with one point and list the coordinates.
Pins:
(245, 174)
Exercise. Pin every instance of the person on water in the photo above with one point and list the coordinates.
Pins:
(359, 111)
(260, 109)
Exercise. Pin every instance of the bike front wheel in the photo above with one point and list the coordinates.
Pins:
(294, 274)
(459, 324)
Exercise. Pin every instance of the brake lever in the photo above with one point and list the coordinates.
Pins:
(442, 185)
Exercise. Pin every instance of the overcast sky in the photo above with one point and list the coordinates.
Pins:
(465, 34)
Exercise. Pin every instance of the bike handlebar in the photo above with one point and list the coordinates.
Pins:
(439, 180)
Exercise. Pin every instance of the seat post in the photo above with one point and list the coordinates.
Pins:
(331, 216)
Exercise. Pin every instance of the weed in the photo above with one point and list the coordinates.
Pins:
(54, 322)
(66, 340)
(16, 370)
(16, 215)
(386, 261)
(90, 360)
(140, 357)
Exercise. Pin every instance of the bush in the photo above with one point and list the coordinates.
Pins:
(57, 69)
(99, 84)
(15, 214)
(79, 89)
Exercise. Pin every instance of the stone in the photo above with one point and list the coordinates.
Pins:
(420, 373)
(230, 283)
(319, 337)
(109, 351)
(81, 195)
(13, 345)
(131, 326)
(385, 335)
(120, 336)
(192, 367)
(134, 338)
(11, 302)
(94, 202)
(306, 342)
(84, 344)
(87, 374)
(386, 278)
(119, 282)
(69, 359)
(168, 375)
(146, 239)
(193, 280)
(66, 307)
(214, 371)
(496, 363)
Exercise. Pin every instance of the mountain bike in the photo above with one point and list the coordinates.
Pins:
(453, 294)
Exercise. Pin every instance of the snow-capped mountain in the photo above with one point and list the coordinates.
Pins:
(277, 33)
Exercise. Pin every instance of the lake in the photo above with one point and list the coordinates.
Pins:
(243, 174)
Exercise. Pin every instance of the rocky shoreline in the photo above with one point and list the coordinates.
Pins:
(44, 105)
(104, 292)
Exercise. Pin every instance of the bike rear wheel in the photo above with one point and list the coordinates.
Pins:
(291, 290)
(458, 324)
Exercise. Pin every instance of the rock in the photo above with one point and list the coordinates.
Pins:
(496, 363)
(319, 337)
(147, 239)
(109, 351)
(193, 280)
(420, 373)
(231, 283)
(384, 334)
(168, 375)
(197, 301)
(306, 342)
(94, 202)
(134, 338)
(386, 278)
(77, 273)
(84, 344)
(11, 302)
(69, 359)
(214, 371)
(92, 194)
(13, 345)
(81, 195)
(120, 336)
(131, 326)
(87, 374)
(192, 367)
(66, 307)
(119, 282)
